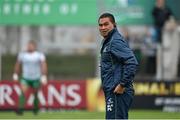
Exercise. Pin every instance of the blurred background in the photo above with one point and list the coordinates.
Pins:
(67, 32)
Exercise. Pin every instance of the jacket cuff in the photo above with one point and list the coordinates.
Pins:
(122, 84)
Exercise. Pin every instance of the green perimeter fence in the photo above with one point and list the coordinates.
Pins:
(59, 67)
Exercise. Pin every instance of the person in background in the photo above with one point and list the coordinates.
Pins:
(34, 72)
(118, 68)
(161, 13)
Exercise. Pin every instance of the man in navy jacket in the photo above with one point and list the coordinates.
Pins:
(118, 68)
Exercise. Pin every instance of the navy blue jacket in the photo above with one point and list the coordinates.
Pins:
(118, 63)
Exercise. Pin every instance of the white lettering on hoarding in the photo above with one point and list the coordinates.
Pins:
(27, 9)
(30, 99)
(17, 89)
(46, 9)
(67, 95)
(41, 97)
(76, 97)
(37, 8)
(65, 8)
(5, 93)
(60, 96)
(173, 101)
(6, 9)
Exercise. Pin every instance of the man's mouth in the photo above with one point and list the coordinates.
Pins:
(104, 32)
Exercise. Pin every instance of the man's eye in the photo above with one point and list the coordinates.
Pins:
(106, 24)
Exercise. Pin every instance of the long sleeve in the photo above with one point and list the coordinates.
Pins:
(122, 52)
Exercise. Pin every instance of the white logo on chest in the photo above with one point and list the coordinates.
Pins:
(105, 49)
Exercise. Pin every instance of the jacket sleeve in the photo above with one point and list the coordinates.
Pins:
(121, 51)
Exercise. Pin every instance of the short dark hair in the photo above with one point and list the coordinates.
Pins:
(32, 42)
(108, 15)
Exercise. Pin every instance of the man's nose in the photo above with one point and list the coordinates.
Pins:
(103, 27)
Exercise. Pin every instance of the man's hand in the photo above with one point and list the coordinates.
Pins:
(44, 79)
(15, 77)
(119, 89)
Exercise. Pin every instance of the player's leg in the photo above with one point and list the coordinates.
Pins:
(36, 86)
(21, 102)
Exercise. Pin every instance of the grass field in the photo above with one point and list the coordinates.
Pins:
(133, 114)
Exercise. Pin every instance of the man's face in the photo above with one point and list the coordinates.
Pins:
(160, 3)
(31, 47)
(105, 26)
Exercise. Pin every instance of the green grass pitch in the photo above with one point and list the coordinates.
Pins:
(133, 114)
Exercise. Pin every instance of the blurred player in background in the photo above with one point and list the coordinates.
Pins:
(118, 68)
(33, 73)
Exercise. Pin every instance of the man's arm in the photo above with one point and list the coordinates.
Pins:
(124, 54)
(44, 70)
(17, 69)
(44, 67)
